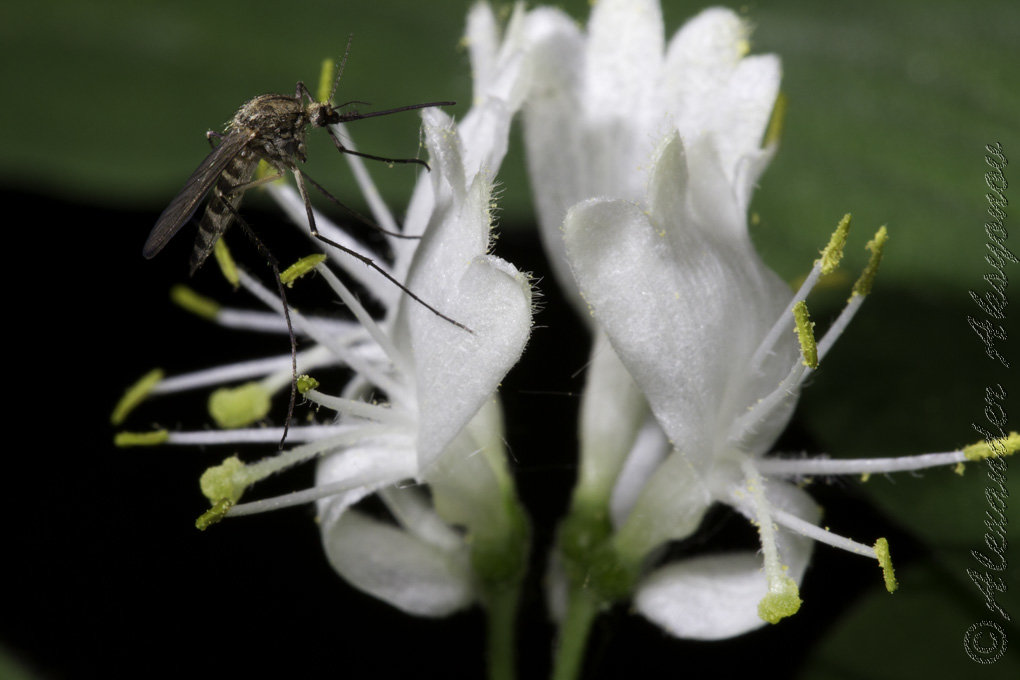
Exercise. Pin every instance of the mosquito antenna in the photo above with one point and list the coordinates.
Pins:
(340, 70)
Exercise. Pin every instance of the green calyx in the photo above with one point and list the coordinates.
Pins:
(589, 557)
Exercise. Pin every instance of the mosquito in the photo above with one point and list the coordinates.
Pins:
(270, 127)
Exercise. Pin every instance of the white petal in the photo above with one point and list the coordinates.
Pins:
(670, 506)
(458, 371)
(394, 566)
(446, 153)
(470, 481)
(482, 38)
(709, 597)
(556, 143)
(613, 411)
(682, 296)
(624, 269)
(484, 134)
(624, 56)
(620, 115)
(648, 453)
(711, 86)
(365, 468)
(714, 597)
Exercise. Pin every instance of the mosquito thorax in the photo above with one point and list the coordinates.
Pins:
(276, 124)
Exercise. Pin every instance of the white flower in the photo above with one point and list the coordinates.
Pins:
(439, 422)
(602, 102)
(451, 434)
(643, 160)
(706, 332)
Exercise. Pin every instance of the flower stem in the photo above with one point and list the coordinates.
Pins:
(502, 611)
(583, 607)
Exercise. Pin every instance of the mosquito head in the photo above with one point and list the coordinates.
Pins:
(321, 111)
(321, 114)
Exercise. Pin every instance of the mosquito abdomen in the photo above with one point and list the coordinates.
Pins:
(222, 206)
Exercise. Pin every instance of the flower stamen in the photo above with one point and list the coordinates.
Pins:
(783, 598)
(825, 264)
(368, 370)
(381, 338)
(861, 288)
(809, 467)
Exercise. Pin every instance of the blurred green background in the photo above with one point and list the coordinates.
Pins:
(890, 108)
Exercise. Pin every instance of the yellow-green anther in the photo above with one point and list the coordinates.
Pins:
(134, 395)
(994, 448)
(226, 481)
(300, 268)
(833, 252)
(306, 383)
(780, 602)
(154, 438)
(775, 130)
(867, 277)
(264, 170)
(226, 262)
(805, 329)
(238, 406)
(326, 79)
(207, 308)
(213, 515)
(882, 553)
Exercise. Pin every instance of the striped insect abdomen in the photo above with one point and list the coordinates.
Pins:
(222, 205)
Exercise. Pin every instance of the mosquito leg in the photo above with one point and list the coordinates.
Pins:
(275, 266)
(367, 261)
(241, 188)
(212, 134)
(343, 149)
(355, 213)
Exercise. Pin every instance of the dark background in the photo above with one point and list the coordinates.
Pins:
(105, 574)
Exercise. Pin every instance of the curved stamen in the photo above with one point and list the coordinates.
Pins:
(357, 364)
(256, 368)
(744, 426)
(810, 467)
(826, 264)
(360, 409)
(783, 598)
(288, 199)
(257, 435)
(368, 323)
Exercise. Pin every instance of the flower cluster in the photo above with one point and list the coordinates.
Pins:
(422, 404)
(643, 156)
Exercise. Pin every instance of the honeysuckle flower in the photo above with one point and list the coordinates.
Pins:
(602, 101)
(421, 408)
(706, 332)
(643, 160)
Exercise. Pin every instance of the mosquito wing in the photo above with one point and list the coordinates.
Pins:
(198, 185)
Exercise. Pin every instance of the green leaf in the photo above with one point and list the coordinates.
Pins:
(918, 632)
(113, 99)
